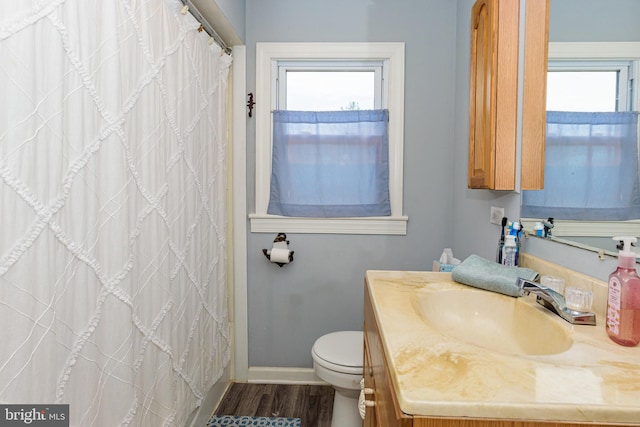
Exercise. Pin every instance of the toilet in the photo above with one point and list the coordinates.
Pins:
(337, 359)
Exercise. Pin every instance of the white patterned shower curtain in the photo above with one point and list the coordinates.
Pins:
(112, 210)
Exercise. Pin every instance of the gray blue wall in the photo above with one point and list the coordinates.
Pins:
(321, 291)
(594, 21)
(235, 12)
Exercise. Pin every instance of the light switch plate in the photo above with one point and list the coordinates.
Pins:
(496, 215)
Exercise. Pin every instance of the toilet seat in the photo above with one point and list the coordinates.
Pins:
(340, 352)
(337, 360)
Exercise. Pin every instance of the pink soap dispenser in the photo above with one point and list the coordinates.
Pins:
(623, 301)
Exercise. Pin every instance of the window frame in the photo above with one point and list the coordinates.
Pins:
(597, 51)
(267, 56)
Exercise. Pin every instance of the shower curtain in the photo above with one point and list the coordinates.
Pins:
(112, 210)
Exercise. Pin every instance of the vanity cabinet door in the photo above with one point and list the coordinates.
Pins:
(494, 94)
(387, 411)
(370, 419)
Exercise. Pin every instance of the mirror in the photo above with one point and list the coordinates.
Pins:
(589, 21)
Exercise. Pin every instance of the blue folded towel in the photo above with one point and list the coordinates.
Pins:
(484, 274)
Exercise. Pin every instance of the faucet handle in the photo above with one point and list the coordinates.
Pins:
(578, 299)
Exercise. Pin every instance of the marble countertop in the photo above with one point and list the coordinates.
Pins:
(595, 380)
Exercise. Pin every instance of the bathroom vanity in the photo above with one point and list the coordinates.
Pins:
(439, 353)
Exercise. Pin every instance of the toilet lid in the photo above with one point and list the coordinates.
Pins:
(341, 348)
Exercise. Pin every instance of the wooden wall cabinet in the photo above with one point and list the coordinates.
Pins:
(493, 112)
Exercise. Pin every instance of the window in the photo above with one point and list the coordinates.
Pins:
(589, 86)
(329, 85)
(329, 77)
(591, 166)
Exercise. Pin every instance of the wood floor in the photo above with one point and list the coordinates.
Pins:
(311, 403)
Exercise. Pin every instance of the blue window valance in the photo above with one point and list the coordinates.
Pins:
(330, 164)
(591, 168)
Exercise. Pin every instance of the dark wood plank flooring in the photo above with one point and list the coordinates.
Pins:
(313, 404)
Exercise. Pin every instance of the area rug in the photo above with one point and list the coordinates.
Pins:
(238, 421)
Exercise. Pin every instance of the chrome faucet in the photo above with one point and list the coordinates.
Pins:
(555, 302)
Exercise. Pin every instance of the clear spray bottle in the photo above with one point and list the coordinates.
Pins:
(623, 300)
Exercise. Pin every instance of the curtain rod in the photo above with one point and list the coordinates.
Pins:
(190, 7)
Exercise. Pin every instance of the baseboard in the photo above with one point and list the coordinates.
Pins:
(275, 375)
(201, 415)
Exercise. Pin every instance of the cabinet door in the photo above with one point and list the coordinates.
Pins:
(370, 413)
(387, 411)
(493, 94)
(534, 109)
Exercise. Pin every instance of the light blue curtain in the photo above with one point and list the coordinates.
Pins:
(330, 164)
(591, 168)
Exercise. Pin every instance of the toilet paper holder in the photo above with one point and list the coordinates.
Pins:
(282, 254)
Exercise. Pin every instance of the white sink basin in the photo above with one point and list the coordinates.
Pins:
(492, 321)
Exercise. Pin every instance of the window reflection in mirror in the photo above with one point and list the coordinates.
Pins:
(595, 30)
(571, 89)
(589, 78)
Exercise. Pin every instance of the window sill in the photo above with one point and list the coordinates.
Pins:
(565, 228)
(392, 225)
